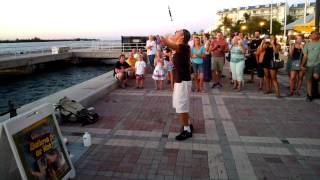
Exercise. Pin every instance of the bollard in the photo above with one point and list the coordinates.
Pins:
(12, 109)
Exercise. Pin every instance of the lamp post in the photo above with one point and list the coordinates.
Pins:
(243, 28)
(271, 18)
(261, 25)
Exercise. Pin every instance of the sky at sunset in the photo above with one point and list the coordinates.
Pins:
(109, 19)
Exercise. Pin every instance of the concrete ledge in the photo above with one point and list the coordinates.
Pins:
(86, 93)
(28, 60)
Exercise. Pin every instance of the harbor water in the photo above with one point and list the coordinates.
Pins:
(50, 79)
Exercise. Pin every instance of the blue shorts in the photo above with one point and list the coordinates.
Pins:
(197, 68)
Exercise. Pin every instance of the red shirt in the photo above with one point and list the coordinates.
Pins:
(218, 47)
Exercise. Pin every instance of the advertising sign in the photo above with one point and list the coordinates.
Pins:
(35, 139)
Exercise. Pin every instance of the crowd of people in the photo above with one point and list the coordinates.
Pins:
(179, 60)
(208, 56)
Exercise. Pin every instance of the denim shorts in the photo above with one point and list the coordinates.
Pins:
(197, 68)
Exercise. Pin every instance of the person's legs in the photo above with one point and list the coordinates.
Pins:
(220, 69)
(260, 75)
(161, 84)
(151, 60)
(300, 80)
(267, 80)
(181, 101)
(184, 119)
(171, 80)
(309, 77)
(273, 73)
(233, 73)
(156, 84)
(239, 72)
(201, 77)
(293, 75)
(137, 81)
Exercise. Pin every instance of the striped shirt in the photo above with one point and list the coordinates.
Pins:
(236, 54)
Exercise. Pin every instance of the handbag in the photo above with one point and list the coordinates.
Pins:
(277, 63)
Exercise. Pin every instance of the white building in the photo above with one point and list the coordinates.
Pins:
(278, 12)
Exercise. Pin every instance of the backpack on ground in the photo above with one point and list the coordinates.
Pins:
(72, 111)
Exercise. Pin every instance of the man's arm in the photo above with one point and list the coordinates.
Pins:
(305, 58)
(168, 42)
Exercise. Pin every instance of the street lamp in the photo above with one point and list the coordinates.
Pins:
(261, 25)
(243, 28)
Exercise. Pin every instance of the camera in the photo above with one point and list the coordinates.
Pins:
(292, 41)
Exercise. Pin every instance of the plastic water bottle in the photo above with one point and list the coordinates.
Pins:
(86, 139)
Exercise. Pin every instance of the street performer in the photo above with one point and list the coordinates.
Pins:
(182, 78)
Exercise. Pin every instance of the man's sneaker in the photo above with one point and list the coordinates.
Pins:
(214, 85)
(184, 135)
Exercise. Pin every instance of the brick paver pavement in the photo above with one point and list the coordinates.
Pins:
(238, 135)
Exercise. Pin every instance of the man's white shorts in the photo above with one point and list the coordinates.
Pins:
(181, 96)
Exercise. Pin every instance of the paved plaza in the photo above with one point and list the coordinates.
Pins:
(237, 135)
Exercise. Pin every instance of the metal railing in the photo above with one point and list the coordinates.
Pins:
(109, 46)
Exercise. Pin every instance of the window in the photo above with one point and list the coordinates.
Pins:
(254, 12)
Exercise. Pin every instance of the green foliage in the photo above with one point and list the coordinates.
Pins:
(246, 17)
(252, 24)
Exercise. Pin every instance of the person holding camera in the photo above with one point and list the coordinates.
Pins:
(311, 59)
(182, 79)
(296, 55)
(218, 48)
(270, 73)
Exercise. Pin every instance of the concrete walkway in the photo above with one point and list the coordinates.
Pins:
(238, 135)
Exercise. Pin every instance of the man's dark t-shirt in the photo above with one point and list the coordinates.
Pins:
(255, 43)
(118, 65)
(181, 61)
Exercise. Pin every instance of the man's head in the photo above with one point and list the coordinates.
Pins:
(219, 35)
(151, 38)
(315, 36)
(182, 36)
(122, 58)
(257, 34)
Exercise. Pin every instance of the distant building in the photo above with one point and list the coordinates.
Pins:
(278, 12)
(297, 10)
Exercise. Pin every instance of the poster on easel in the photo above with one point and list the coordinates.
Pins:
(37, 144)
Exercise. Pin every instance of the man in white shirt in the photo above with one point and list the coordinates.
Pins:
(151, 50)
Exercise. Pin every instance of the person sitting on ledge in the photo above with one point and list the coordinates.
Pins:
(121, 71)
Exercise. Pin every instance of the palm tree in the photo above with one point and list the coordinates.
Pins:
(246, 17)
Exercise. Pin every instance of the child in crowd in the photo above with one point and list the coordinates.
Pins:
(170, 66)
(140, 69)
(159, 74)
